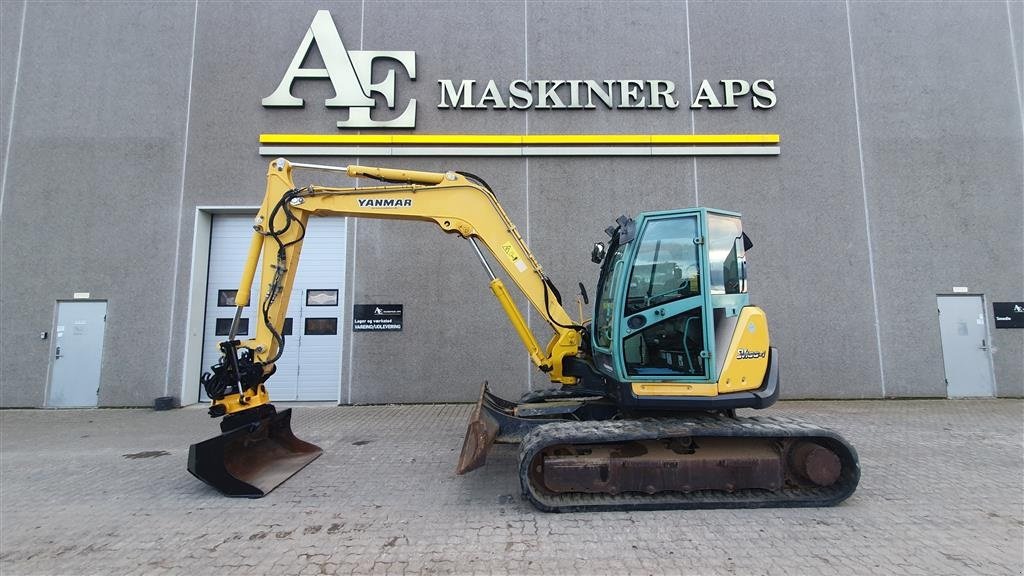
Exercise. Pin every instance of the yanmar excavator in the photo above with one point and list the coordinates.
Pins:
(642, 414)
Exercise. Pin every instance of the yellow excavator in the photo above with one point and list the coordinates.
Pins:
(642, 412)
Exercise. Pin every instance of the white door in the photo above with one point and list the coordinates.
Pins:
(309, 368)
(965, 346)
(78, 350)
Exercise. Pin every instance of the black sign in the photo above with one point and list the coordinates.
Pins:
(376, 317)
(1009, 314)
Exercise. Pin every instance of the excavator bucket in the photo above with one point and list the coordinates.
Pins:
(250, 460)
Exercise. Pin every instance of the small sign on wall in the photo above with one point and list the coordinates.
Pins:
(1009, 314)
(377, 317)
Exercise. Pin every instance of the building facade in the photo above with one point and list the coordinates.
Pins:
(877, 159)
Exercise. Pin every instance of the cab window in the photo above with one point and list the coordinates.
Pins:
(605, 310)
(674, 347)
(666, 265)
(726, 258)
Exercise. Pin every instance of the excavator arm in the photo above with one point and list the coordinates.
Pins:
(457, 203)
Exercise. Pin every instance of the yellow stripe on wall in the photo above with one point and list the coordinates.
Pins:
(521, 140)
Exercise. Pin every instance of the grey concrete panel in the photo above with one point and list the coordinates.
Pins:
(1007, 350)
(609, 41)
(804, 209)
(1015, 23)
(10, 40)
(1008, 358)
(93, 188)
(944, 174)
(455, 334)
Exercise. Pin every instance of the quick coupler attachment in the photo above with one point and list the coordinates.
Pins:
(256, 452)
(234, 373)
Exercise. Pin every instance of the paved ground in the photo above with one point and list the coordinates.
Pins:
(941, 493)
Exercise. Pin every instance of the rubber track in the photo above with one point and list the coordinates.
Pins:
(609, 431)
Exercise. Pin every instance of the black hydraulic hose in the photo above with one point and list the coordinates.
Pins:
(478, 180)
(548, 286)
(275, 285)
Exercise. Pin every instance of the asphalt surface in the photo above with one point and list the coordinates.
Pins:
(107, 492)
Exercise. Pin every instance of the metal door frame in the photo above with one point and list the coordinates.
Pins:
(988, 338)
(53, 350)
(195, 314)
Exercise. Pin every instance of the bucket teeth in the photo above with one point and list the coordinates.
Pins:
(250, 460)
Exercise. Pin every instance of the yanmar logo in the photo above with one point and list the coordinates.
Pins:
(385, 202)
(350, 73)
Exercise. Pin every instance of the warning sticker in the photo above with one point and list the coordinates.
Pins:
(513, 255)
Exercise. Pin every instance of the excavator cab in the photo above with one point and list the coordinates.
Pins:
(671, 293)
(670, 278)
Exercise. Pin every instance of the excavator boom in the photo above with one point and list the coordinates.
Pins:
(457, 203)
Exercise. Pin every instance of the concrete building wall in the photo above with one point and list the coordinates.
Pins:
(804, 210)
(92, 187)
(941, 135)
(10, 47)
(901, 175)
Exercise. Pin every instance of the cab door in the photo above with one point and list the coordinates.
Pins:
(664, 320)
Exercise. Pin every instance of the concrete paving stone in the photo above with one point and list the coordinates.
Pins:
(941, 493)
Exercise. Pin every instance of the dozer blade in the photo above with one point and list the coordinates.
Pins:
(480, 434)
(249, 461)
(496, 420)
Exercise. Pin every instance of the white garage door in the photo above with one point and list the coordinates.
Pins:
(309, 369)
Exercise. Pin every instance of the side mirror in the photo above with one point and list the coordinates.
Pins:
(597, 254)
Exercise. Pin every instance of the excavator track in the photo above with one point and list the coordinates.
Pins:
(706, 461)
